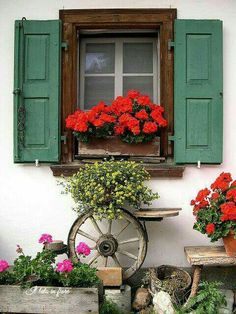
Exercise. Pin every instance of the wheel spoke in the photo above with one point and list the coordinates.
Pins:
(122, 229)
(128, 241)
(96, 225)
(115, 259)
(86, 235)
(105, 261)
(127, 254)
(94, 258)
(109, 226)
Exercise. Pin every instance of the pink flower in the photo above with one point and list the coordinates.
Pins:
(3, 265)
(45, 238)
(65, 267)
(83, 248)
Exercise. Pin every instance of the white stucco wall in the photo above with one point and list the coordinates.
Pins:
(30, 200)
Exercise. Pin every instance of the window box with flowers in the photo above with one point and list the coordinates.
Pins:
(215, 212)
(39, 285)
(129, 126)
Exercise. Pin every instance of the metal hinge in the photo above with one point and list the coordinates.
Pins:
(17, 91)
(171, 138)
(171, 44)
(64, 138)
(64, 45)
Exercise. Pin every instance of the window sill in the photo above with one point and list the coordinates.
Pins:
(156, 171)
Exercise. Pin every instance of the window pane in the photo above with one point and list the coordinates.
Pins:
(144, 84)
(100, 58)
(99, 88)
(138, 58)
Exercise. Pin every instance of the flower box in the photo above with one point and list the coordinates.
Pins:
(53, 300)
(114, 146)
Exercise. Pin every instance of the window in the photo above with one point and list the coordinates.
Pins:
(156, 21)
(190, 89)
(109, 67)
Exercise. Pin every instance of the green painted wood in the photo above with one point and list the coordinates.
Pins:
(37, 76)
(198, 90)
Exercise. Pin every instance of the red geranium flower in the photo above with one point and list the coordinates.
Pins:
(228, 210)
(98, 123)
(133, 94)
(142, 115)
(119, 129)
(222, 182)
(231, 195)
(107, 118)
(210, 228)
(202, 194)
(215, 195)
(144, 100)
(149, 127)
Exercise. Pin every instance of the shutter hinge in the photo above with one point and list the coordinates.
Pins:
(171, 138)
(17, 91)
(171, 44)
(64, 45)
(64, 138)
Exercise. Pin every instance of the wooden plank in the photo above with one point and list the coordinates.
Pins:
(110, 276)
(208, 255)
(114, 146)
(156, 213)
(53, 300)
(159, 171)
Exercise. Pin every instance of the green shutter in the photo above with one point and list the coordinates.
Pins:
(37, 91)
(198, 91)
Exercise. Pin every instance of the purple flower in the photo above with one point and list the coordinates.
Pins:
(3, 265)
(83, 248)
(65, 267)
(45, 238)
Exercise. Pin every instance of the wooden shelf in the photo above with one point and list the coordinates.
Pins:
(156, 214)
(156, 170)
(208, 255)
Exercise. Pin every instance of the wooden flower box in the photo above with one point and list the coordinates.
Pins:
(53, 300)
(114, 146)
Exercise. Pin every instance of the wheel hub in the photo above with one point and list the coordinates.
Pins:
(107, 245)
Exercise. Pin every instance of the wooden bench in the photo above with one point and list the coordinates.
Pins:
(199, 256)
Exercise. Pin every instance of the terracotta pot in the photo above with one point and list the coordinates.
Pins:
(230, 244)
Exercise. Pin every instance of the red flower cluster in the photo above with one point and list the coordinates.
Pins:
(229, 211)
(222, 182)
(215, 209)
(210, 228)
(134, 118)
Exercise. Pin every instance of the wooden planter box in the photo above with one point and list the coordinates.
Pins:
(53, 300)
(114, 146)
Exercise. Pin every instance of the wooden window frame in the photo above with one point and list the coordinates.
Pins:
(73, 20)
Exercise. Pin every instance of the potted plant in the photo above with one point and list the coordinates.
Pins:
(215, 212)
(129, 126)
(39, 285)
(105, 187)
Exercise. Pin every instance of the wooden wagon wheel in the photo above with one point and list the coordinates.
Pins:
(110, 246)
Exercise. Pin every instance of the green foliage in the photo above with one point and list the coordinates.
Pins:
(81, 276)
(208, 300)
(109, 307)
(41, 270)
(105, 187)
(26, 269)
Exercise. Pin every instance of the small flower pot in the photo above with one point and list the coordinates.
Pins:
(114, 146)
(230, 244)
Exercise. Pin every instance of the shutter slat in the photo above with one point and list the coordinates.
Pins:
(198, 91)
(37, 75)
